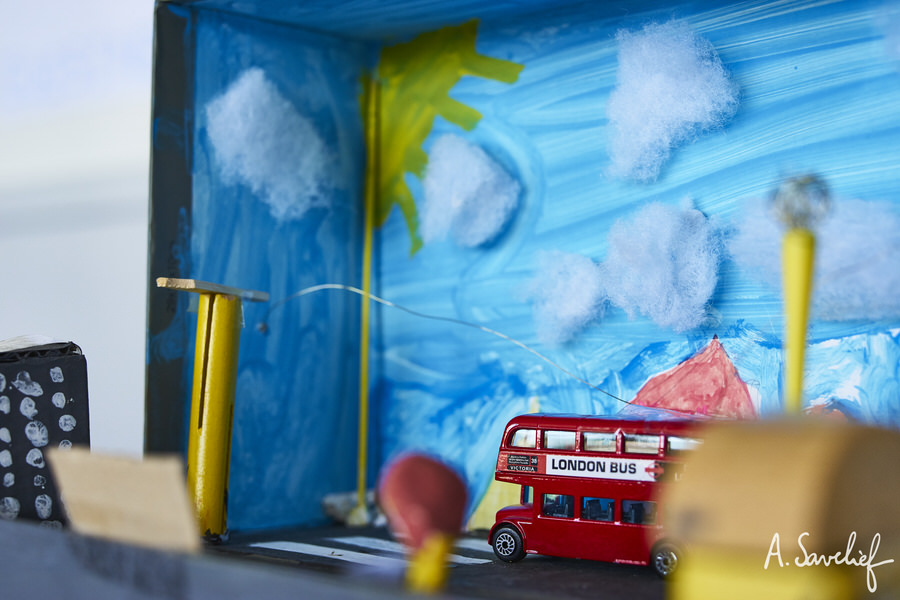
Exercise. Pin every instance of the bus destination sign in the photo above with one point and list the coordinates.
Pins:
(522, 462)
(627, 469)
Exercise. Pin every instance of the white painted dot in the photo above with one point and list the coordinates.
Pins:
(4, 404)
(4, 435)
(37, 434)
(5, 458)
(52, 524)
(40, 481)
(67, 422)
(59, 400)
(9, 480)
(2, 382)
(35, 458)
(56, 375)
(26, 385)
(9, 508)
(43, 504)
(65, 445)
(27, 407)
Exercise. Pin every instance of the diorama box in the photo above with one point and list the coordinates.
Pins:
(587, 179)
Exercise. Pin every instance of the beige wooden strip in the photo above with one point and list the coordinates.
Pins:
(141, 502)
(205, 287)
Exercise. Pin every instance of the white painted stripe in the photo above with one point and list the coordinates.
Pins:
(335, 553)
(371, 543)
(475, 545)
(392, 546)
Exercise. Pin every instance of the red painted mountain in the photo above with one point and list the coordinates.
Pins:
(705, 384)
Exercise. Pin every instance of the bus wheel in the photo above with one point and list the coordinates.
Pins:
(665, 559)
(507, 544)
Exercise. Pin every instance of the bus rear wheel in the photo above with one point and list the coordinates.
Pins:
(665, 559)
(507, 544)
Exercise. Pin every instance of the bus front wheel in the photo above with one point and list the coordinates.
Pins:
(665, 559)
(507, 544)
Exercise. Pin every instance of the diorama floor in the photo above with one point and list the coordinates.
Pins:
(326, 564)
(370, 558)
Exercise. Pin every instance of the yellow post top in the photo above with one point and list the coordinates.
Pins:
(205, 287)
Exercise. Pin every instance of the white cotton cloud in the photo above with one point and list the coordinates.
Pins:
(663, 263)
(856, 274)
(467, 194)
(567, 295)
(260, 140)
(671, 87)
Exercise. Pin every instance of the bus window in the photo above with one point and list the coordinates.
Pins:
(597, 509)
(526, 494)
(558, 505)
(642, 444)
(598, 442)
(678, 444)
(638, 512)
(559, 440)
(524, 438)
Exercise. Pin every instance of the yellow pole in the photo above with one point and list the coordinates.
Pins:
(798, 252)
(799, 202)
(359, 515)
(219, 323)
(427, 572)
(212, 408)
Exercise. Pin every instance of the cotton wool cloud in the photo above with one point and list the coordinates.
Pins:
(567, 295)
(663, 263)
(468, 195)
(856, 276)
(260, 140)
(671, 87)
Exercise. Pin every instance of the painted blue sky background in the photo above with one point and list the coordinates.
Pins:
(818, 92)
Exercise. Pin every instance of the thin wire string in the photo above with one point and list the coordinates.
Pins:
(263, 327)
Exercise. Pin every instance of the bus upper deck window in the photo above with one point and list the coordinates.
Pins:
(524, 438)
(559, 440)
(641, 444)
(598, 442)
(678, 444)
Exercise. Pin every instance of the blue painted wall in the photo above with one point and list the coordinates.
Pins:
(295, 407)
(818, 93)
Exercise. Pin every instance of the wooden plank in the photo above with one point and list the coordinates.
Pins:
(142, 502)
(205, 287)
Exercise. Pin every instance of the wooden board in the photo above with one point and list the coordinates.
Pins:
(142, 502)
(205, 287)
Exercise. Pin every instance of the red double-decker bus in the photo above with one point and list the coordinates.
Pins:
(589, 488)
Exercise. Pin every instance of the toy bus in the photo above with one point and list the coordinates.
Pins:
(590, 487)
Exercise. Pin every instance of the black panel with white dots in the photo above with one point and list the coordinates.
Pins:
(43, 404)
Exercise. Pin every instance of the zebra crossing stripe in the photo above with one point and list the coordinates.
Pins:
(391, 546)
(476, 545)
(361, 558)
